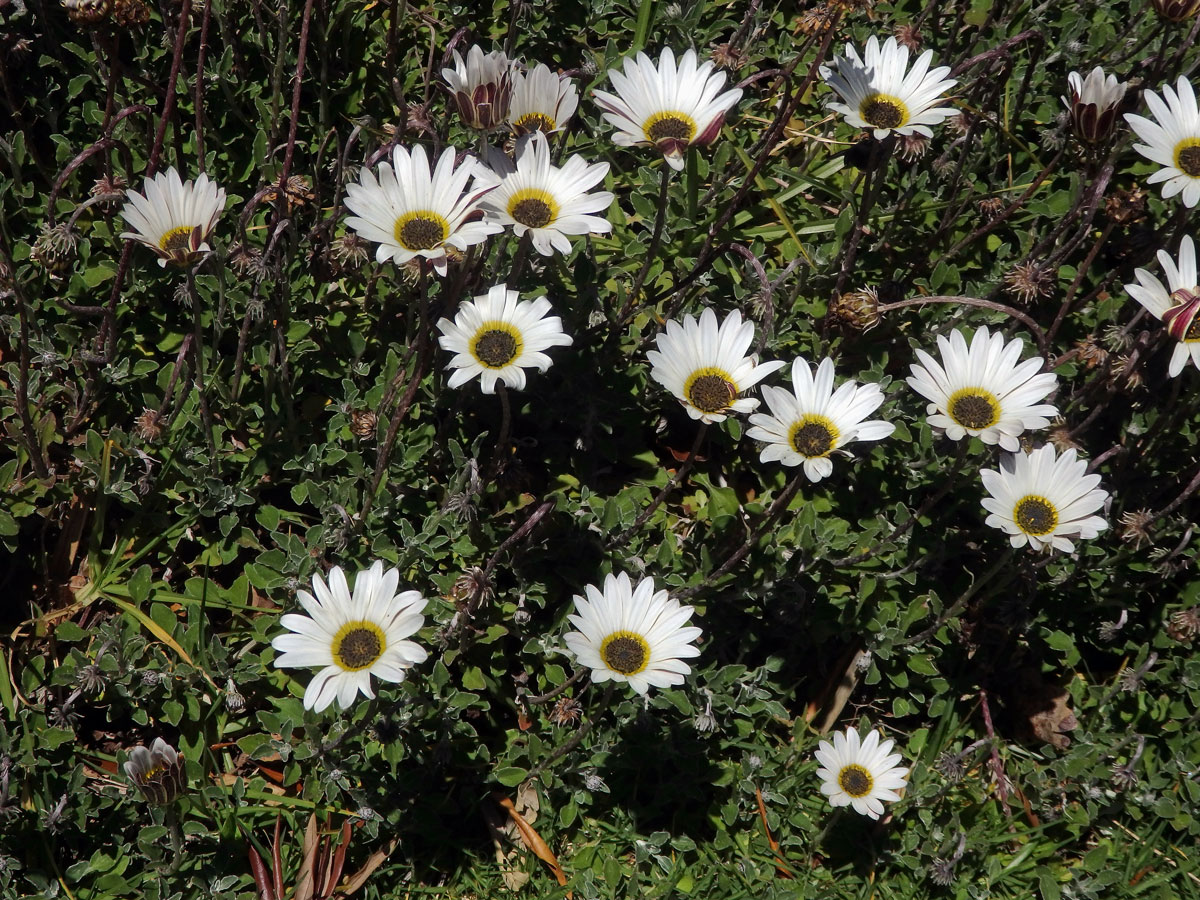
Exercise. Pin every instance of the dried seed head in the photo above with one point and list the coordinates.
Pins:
(912, 147)
(1031, 280)
(363, 422)
(728, 56)
(908, 36)
(817, 20)
(248, 261)
(1117, 339)
(853, 5)
(111, 187)
(959, 125)
(149, 425)
(129, 13)
(1060, 436)
(1135, 526)
(90, 679)
(951, 766)
(1090, 353)
(348, 252)
(991, 207)
(54, 250)
(1184, 624)
(941, 871)
(1125, 371)
(1126, 206)
(857, 310)
(472, 586)
(566, 711)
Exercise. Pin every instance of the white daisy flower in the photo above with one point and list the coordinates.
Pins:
(1178, 306)
(877, 93)
(632, 634)
(542, 100)
(668, 107)
(860, 773)
(412, 212)
(706, 366)
(1043, 499)
(538, 197)
(982, 391)
(1173, 141)
(352, 637)
(482, 87)
(175, 218)
(1093, 104)
(808, 423)
(497, 336)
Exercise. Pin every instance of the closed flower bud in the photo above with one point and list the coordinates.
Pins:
(1093, 104)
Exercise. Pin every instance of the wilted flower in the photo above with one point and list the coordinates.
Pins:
(566, 711)
(858, 310)
(1030, 280)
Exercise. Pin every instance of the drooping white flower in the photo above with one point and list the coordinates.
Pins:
(1172, 141)
(983, 391)
(632, 633)
(549, 202)
(157, 772)
(1093, 104)
(412, 212)
(879, 92)
(497, 337)
(352, 637)
(1043, 499)
(811, 421)
(174, 218)
(861, 773)
(482, 87)
(542, 100)
(666, 106)
(706, 367)
(1176, 306)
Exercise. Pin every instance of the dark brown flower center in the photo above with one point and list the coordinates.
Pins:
(531, 122)
(973, 410)
(421, 233)
(711, 393)
(883, 114)
(855, 781)
(1035, 515)
(626, 655)
(496, 348)
(812, 439)
(532, 212)
(670, 127)
(358, 648)
(1189, 161)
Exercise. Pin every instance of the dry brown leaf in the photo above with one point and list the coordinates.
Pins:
(534, 842)
(374, 861)
(514, 878)
(305, 880)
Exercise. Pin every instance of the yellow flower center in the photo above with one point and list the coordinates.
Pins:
(1035, 515)
(496, 344)
(855, 781)
(883, 111)
(813, 436)
(177, 239)
(974, 408)
(710, 389)
(533, 207)
(534, 121)
(357, 645)
(1187, 156)
(420, 230)
(625, 652)
(675, 126)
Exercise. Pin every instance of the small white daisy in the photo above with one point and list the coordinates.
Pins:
(482, 87)
(632, 634)
(706, 366)
(1173, 141)
(497, 336)
(1042, 499)
(412, 212)
(860, 773)
(352, 637)
(175, 218)
(538, 197)
(1176, 307)
(877, 93)
(541, 101)
(670, 108)
(1093, 104)
(810, 422)
(983, 391)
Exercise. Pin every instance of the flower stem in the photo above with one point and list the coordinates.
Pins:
(680, 474)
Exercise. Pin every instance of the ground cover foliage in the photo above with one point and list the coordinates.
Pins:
(185, 448)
